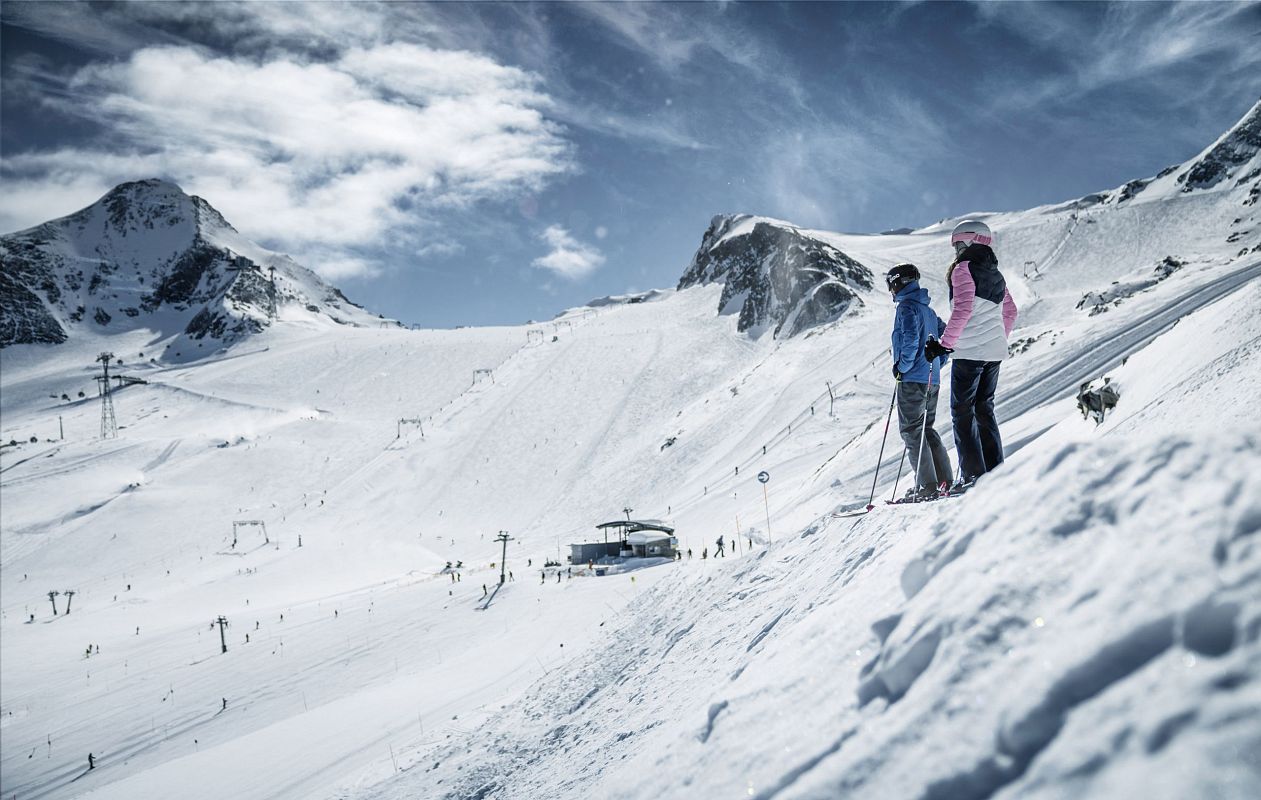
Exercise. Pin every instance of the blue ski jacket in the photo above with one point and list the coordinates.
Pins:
(913, 324)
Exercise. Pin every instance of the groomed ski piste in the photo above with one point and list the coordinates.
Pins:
(1084, 623)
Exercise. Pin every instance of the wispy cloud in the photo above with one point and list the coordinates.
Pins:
(94, 28)
(568, 258)
(650, 29)
(1107, 46)
(677, 38)
(828, 171)
(305, 155)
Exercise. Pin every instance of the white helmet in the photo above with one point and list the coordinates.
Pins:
(971, 231)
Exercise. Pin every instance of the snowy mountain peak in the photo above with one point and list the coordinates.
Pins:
(148, 255)
(152, 202)
(1233, 156)
(774, 274)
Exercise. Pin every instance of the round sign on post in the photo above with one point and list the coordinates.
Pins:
(765, 477)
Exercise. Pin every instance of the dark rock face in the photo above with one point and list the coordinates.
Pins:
(777, 276)
(1237, 148)
(1132, 188)
(23, 316)
(178, 286)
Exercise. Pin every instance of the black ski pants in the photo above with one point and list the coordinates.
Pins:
(917, 411)
(972, 387)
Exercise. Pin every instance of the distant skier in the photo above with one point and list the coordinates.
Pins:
(704, 553)
(982, 315)
(720, 550)
(914, 323)
(484, 590)
(91, 762)
(225, 704)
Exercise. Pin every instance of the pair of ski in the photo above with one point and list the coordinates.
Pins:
(904, 501)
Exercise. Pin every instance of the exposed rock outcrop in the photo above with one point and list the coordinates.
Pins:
(774, 275)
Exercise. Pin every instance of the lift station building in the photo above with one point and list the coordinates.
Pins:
(631, 538)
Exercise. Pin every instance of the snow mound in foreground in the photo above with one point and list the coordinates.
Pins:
(1009, 650)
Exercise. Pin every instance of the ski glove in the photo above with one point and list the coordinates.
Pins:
(934, 350)
(897, 375)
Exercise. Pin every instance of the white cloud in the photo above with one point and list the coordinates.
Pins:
(569, 258)
(303, 155)
(337, 266)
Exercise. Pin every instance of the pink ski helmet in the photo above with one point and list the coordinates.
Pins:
(971, 231)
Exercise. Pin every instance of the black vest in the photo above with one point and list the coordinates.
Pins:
(983, 264)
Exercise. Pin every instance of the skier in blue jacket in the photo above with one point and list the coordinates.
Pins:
(914, 323)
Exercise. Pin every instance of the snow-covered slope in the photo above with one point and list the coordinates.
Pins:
(149, 256)
(1084, 623)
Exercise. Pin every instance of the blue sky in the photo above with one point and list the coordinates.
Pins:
(470, 164)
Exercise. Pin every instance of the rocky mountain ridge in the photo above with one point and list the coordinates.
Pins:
(1228, 163)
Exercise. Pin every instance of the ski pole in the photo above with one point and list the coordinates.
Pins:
(928, 388)
(871, 500)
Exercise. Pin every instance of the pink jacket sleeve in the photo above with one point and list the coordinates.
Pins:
(960, 304)
(1009, 312)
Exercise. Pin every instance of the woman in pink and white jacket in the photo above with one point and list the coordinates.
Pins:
(982, 315)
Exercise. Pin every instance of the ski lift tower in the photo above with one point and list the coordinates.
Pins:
(503, 538)
(109, 424)
(271, 294)
(249, 523)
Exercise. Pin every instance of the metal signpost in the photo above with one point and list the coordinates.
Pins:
(764, 478)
